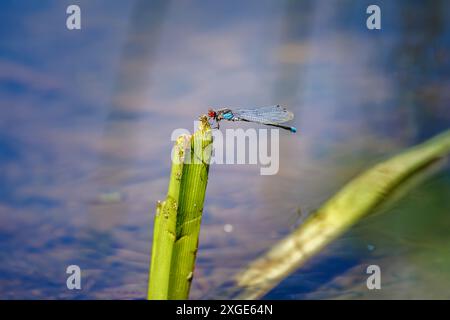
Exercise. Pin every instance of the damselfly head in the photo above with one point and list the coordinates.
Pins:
(211, 114)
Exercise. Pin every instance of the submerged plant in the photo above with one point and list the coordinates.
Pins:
(354, 201)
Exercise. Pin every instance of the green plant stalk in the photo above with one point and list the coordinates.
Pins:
(358, 198)
(177, 219)
(191, 199)
(164, 230)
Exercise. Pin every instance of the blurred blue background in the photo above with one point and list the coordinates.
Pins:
(86, 119)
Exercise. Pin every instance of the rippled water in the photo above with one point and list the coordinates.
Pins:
(87, 118)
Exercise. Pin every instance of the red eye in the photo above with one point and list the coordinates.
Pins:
(211, 113)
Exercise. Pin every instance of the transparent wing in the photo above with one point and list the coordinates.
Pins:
(270, 115)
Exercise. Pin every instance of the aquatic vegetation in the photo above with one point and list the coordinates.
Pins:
(177, 220)
(354, 201)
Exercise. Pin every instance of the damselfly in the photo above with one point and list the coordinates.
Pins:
(270, 116)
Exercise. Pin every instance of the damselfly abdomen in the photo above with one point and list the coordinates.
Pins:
(270, 116)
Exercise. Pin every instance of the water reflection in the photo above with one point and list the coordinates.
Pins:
(87, 118)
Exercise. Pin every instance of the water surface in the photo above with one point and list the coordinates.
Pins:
(86, 120)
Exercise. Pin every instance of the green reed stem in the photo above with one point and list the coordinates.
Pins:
(177, 220)
(356, 199)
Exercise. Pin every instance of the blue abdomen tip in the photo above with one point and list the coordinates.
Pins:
(293, 129)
